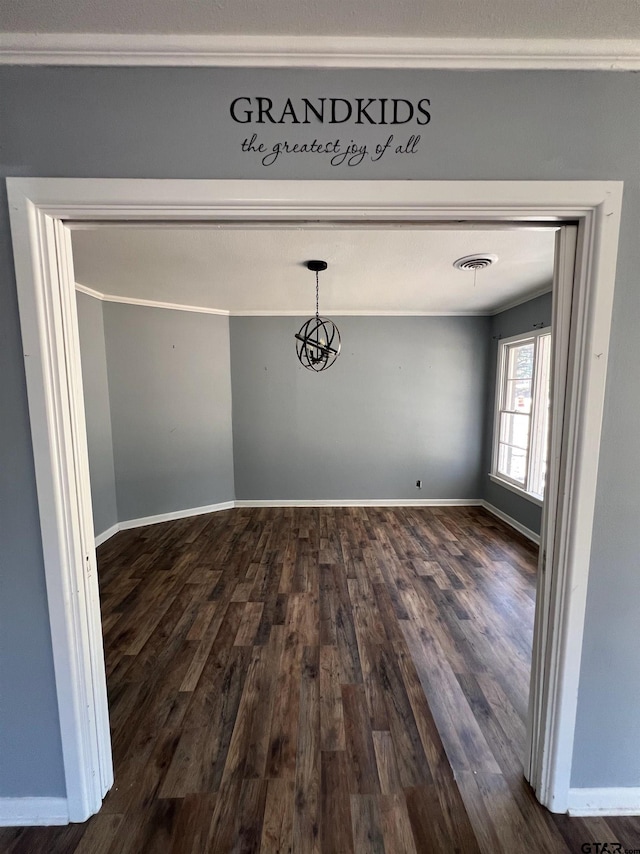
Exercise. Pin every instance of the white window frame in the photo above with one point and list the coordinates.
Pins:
(494, 474)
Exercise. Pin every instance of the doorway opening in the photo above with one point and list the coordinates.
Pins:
(418, 369)
(41, 211)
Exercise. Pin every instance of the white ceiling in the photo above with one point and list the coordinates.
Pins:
(572, 19)
(259, 270)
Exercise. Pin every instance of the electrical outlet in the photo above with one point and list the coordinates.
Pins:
(418, 484)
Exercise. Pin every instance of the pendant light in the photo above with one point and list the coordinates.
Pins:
(318, 341)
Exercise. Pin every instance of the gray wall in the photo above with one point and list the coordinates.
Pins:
(174, 123)
(95, 383)
(401, 403)
(514, 321)
(170, 391)
(30, 749)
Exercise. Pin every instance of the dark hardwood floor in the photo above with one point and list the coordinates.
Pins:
(320, 680)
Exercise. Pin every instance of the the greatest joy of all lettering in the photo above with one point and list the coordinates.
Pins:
(340, 150)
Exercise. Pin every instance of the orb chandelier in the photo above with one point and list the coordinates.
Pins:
(318, 341)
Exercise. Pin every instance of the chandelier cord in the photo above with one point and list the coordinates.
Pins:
(317, 297)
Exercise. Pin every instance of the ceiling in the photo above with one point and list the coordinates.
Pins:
(260, 270)
(571, 19)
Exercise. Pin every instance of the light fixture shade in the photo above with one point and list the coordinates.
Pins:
(318, 341)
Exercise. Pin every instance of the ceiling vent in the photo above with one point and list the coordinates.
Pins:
(475, 262)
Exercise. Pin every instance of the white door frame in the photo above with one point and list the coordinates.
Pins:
(39, 208)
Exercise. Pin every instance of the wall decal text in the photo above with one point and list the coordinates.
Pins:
(333, 111)
(340, 150)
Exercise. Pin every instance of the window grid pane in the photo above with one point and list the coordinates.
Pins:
(512, 462)
(514, 429)
(520, 360)
(522, 420)
(518, 396)
(541, 418)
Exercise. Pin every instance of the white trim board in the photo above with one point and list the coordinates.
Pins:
(604, 801)
(128, 524)
(509, 520)
(361, 502)
(516, 301)
(106, 535)
(514, 489)
(319, 502)
(148, 303)
(176, 514)
(33, 812)
(317, 51)
(230, 505)
(315, 502)
(91, 292)
(39, 209)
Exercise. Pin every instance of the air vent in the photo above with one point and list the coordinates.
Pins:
(475, 262)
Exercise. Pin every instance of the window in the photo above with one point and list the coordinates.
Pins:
(521, 423)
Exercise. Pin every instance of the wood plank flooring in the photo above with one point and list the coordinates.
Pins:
(330, 681)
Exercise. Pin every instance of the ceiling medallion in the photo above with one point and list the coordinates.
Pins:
(318, 341)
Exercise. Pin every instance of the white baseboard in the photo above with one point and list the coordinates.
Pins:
(606, 801)
(344, 502)
(29, 812)
(509, 520)
(162, 517)
(106, 535)
(363, 502)
(176, 514)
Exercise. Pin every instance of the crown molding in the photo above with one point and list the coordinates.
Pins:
(90, 292)
(360, 313)
(521, 300)
(317, 51)
(148, 303)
